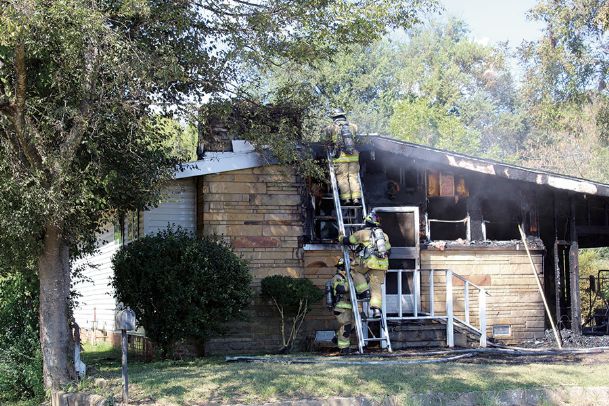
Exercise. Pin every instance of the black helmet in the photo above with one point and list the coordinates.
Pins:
(372, 219)
(338, 112)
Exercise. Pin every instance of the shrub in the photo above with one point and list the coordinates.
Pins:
(292, 298)
(180, 286)
(20, 354)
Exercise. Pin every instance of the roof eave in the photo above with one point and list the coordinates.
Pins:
(489, 167)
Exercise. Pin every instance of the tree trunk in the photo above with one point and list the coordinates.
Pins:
(55, 333)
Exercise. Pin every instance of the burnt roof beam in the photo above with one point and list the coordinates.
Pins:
(489, 167)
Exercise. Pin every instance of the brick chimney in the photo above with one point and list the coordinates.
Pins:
(213, 137)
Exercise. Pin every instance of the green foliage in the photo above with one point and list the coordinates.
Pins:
(292, 297)
(288, 292)
(20, 355)
(181, 139)
(276, 128)
(437, 87)
(421, 122)
(180, 286)
(569, 62)
(564, 90)
(590, 261)
(82, 86)
(457, 94)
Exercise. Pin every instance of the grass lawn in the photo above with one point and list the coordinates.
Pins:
(213, 380)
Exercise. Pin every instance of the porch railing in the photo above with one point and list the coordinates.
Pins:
(424, 302)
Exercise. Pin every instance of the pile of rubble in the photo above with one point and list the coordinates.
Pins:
(569, 340)
(533, 243)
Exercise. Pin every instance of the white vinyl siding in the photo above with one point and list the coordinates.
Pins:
(96, 306)
(177, 208)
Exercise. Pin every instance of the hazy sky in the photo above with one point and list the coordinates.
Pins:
(496, 20)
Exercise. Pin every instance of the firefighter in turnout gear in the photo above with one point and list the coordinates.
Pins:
(341, 136)
(340, 304)
(372, 245)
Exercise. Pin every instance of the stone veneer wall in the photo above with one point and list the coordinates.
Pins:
(507, 276)
(260, 211)
(514, 299)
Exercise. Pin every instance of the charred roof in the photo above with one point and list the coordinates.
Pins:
(488, 166)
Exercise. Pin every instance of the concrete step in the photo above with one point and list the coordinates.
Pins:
(426, 333)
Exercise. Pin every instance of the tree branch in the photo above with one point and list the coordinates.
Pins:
(19, 106)
(70, 145)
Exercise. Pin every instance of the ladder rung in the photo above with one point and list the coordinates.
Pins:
(354, 225)
(375, 339)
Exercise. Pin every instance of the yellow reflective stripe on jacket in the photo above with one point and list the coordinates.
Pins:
(343, 305)
(343, 342)
(360, 287)
(374, 262)
(345, 158)
(339, 280)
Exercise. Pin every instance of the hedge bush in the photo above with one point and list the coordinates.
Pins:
(20, 354)
(292, 297)
(181, 286)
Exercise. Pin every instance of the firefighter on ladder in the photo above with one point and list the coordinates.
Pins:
(372, 245)
(341, 136)
(339, 301)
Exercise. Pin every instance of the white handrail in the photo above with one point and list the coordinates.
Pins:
(449, 316)
(450, 328)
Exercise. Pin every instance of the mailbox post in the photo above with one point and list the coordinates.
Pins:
(125, 320)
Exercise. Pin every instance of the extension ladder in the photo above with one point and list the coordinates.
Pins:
(355, 215)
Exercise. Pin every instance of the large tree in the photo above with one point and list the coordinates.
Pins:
(81, 86)
(433, 85)
(565, 94)
(457, 93)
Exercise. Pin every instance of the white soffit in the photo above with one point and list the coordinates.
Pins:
(218, 162)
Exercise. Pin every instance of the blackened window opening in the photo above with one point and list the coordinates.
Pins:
(448, 209)
(501, 219)
(321, 214)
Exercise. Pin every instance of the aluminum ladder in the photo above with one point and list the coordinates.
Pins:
(351, 213)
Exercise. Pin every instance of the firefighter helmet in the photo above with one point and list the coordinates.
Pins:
(338, 112)
(340, 264)
(372, 219)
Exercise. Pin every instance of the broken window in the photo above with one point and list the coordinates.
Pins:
(447, 217)
(321, 214)
(501, 219)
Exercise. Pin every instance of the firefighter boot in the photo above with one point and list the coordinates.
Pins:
(365, 295)
(345, 351)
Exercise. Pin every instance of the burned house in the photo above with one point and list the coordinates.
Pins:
(459, 270)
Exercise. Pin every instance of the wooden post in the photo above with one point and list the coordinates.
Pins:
(124, 366)
(450, 333)
(574, 277)
(557, 282)
(543, 296)
(476, 222)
